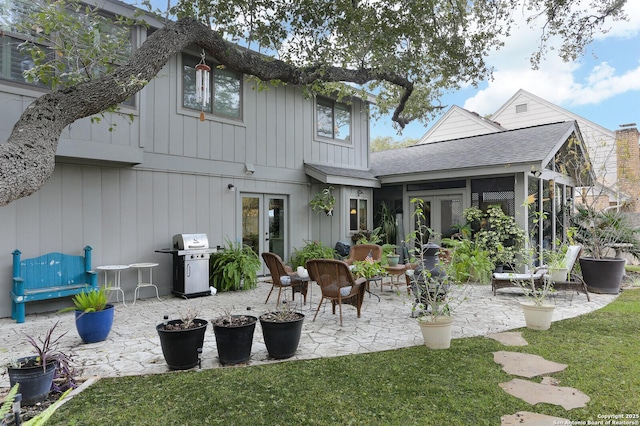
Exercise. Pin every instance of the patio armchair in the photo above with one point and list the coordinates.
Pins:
(337, 284)
(283, 276)
(539, 274)
(360, 252)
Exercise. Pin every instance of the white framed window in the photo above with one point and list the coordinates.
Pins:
(225, 86)
(358, 214)
(333, 119)
(19, 39)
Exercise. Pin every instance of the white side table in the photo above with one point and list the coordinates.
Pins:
(141, 267)
(115, 286)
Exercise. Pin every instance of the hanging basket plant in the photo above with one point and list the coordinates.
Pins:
(324, 201)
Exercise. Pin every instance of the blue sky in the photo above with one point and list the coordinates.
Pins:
(603, 86)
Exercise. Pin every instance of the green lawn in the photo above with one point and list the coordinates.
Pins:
(411, 386)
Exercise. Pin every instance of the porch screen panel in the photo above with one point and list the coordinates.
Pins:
(533, 203)
(494, 191)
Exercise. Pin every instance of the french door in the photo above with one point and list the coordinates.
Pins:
(265, 224)
(441, 213)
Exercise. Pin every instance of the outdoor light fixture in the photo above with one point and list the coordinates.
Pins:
(536, 173)
(249, 168)
(231, 187)
(360, 192)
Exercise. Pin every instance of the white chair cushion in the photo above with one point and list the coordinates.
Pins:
(286, 280)
(344, 291)
(518, 277)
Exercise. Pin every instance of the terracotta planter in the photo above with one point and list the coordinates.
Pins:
(602, 275)
(436, 332)
(537, 317)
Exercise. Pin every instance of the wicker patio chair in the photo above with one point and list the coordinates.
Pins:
(360, 252)
(337, 284)
(283, 276)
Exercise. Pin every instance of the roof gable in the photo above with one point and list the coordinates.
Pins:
(522, 97)
(534, 145)
(458, 123)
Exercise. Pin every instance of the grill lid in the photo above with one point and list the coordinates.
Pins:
(190, 241)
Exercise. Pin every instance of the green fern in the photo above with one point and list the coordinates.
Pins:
(235, 263)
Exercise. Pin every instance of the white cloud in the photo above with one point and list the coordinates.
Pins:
(567, 84)
(625, 29)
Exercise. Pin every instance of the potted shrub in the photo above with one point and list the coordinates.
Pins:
(234, 337)
(311, 250)
(281, 331)
(234, 268)
(554, 260)
(94, 316)
(498, 234)
(469, 261)
(35, 373)
(388, 223)
(323, 201)
(367, 269)
(538, 312)
(182, 340)
(431, 285)
(389, 253)
(600, 232)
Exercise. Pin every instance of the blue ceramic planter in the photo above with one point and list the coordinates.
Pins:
(94, 326)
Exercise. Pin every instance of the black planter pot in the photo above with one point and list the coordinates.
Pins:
(180, 347)
(282, 338)
(35, 382)
(234, 342)
(602, 275)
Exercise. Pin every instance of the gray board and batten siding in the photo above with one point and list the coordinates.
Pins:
(126, 192)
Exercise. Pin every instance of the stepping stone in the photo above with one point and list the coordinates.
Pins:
(531, 419)
(526, 365)
(533, 393)
(509, 338)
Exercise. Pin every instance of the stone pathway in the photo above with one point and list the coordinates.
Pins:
(547, 391)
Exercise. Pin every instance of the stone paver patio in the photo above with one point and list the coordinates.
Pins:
(133, 346)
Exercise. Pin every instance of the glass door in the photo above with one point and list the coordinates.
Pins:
(441, 213)
(264, 224)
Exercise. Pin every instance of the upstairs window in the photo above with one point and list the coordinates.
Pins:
(225, 86)
(333, 119)
(14, 61)
(70, 51)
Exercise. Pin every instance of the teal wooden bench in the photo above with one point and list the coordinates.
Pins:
(49, 276)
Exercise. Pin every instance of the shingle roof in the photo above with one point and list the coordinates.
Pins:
(342, 171)
(527, 145)
(341, 175)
